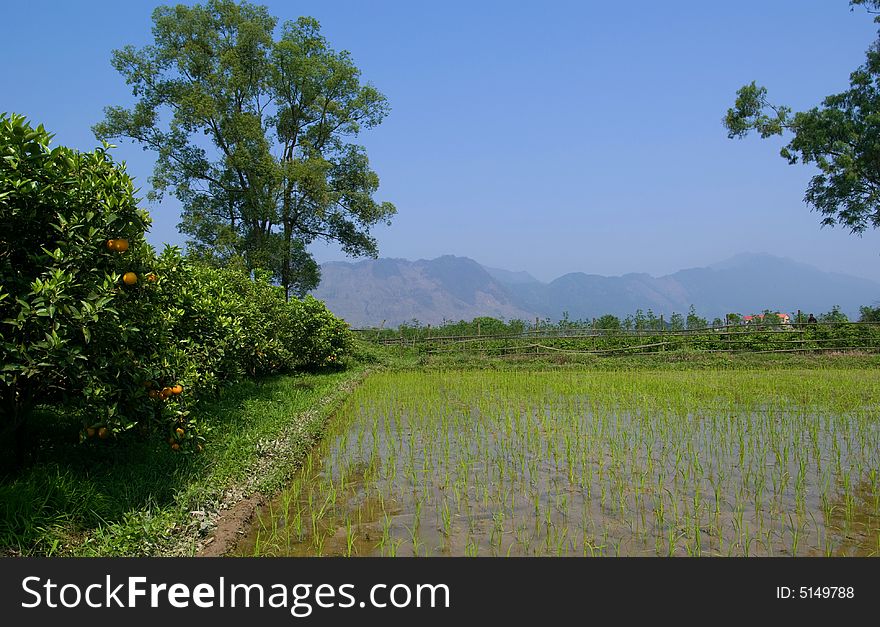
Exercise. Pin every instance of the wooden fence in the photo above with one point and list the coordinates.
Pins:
(803, 337)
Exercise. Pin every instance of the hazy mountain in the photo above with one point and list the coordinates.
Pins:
(368, 293)
(507, 277)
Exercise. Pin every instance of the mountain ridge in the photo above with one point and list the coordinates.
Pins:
(392, 291)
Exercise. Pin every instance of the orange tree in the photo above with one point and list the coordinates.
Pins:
(94, 321)
(65, 312)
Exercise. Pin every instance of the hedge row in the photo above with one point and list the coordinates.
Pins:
(93, 320)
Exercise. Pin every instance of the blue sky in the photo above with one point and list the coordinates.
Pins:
(553, 137)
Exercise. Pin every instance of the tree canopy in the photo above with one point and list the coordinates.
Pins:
(257, 144)
(841, 137)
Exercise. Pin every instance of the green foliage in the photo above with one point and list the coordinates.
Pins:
(676, 322)
(869, 4)
(835, 315)
(318, 337)
(478, 326)
(607, 336)
(768, 318)
(280, 169)
(608, 323)
(839, 137)
(136, 497)
(694, 321)
(66, 316)
(78, 336)
(869, 314)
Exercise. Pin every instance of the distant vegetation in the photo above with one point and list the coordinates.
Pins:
(638, 321)
(639, 333)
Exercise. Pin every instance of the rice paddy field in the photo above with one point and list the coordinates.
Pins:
(590, 463)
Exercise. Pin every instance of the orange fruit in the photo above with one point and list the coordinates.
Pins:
(111, 244)
(129, 278)
(165, 393)
(179, 431)
(154, 393)
(175, 446)
(90, 432)
(177, 389)
(103, 433)
(152, 278)
(121, 245)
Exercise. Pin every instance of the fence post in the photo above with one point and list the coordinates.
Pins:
(536, 334)
(662, 335)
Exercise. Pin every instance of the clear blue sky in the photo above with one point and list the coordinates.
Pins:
(553, 137)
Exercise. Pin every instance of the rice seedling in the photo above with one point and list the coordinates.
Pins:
(640, 463)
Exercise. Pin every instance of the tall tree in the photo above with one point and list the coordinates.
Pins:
(841, 137)
(257, 145)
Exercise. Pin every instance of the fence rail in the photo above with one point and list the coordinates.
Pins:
(754, 338)
(842, 349)
(422, 335)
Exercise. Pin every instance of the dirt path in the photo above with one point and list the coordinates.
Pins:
(231, 525)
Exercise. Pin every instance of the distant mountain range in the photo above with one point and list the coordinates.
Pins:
(394, 291)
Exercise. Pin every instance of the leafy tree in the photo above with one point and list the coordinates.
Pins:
(69, 326)
(835, 315)
(608, 322)
(869, 4)
(95, 324)
(676, 322)
(639, 321)
(486, 325)
(869, 314)
(770, 318)
(258, 144)
(652, 322)
(839, 137)
(694, 321)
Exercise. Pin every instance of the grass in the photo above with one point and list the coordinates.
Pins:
(137, 497)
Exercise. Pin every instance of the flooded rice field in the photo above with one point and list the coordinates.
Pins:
(650, 463)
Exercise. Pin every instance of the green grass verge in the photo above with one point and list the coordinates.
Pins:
(137, 497)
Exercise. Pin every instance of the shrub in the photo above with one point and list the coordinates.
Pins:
(124, 336)
(67, 317)
(319, 338)
(869, 314)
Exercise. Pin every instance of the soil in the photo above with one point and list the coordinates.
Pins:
(232, 524)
